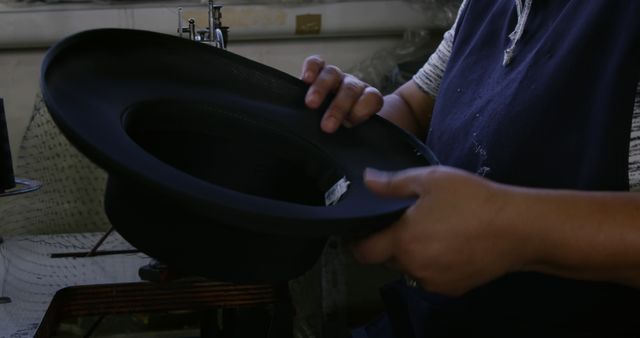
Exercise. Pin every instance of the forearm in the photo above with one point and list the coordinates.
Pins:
(409, 108)
(584, 235)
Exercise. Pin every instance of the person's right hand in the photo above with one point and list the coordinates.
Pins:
(458, 235)
(354, 101)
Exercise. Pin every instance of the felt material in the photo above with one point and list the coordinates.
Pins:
(215, 164)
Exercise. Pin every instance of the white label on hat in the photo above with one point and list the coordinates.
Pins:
(333, 195)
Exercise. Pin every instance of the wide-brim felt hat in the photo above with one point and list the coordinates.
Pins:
(216, 166)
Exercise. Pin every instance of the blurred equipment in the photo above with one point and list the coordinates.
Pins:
(10, 185)
(7, 180)
(215, 34)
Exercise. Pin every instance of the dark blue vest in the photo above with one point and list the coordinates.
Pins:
(558, 116)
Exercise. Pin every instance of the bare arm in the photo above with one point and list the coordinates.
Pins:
(585, 235)
(410, 108)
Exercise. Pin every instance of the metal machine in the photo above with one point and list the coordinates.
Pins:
(214, 34)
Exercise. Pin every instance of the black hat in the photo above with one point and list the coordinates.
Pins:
(215, 164)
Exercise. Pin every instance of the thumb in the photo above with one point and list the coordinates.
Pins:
(405, 183)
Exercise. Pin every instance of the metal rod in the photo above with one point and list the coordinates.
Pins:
(192, 29)
(94, 327)
(85, 254)
(180, 28)
(99, 243)
(212, 37)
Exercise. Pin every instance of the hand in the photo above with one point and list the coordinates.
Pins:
(354, 102)
(451, 240)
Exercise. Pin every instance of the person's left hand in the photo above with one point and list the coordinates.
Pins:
(354, 101)
(453, 238)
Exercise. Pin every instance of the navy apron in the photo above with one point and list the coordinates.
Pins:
(557, 116)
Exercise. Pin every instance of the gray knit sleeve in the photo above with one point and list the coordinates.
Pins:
(429, 76)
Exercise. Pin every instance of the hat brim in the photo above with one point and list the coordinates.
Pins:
(123, 96)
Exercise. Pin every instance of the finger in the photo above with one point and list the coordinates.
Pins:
(375, 249)
(369, 103)
(405, 183)
(346, 97)
(328, 81)
(311, 67)
(392, 263)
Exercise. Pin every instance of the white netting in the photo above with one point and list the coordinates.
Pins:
(65, 216)
(70, 199)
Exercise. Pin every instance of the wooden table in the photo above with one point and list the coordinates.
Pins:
(46, 278)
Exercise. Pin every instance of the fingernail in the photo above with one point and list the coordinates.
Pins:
(306, 77)
(312, 100)
(374, 174)
(330, 124)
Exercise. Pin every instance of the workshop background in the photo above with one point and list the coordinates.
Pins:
(381, 41)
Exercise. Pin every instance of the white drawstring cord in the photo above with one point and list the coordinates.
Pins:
(523, 15)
